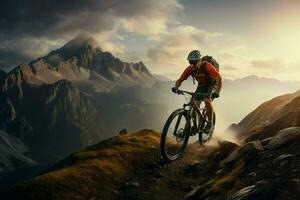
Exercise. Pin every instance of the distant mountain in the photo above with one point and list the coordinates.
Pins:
(262, 83)
(161, 77)
(83, 62)
(133, 107)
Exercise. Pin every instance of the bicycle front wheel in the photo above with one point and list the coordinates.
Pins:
(175, 135)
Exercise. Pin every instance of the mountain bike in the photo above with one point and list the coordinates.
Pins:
(184, 122)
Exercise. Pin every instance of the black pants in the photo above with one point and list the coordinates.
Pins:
(205, 88)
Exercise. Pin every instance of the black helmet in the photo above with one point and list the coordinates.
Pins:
(194, 55)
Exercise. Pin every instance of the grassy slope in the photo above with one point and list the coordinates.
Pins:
(93, 171)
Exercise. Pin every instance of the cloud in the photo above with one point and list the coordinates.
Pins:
(229, 68)
(10, 58)
(271, 64)
(54, 18)
(50, 20)
(153, 20)
(108, 41)
(15, 52)
(171, 51)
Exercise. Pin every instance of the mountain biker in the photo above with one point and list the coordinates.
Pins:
(205, 80)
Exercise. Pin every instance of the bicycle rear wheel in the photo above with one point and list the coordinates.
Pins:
(175, 135)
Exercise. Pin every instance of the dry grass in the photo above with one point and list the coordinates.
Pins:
(94, 171)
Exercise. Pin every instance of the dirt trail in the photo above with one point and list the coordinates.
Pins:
(174, 180)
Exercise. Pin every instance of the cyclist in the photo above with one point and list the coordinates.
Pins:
(209, 81)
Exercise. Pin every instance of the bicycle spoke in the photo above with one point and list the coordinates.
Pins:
(177, 124)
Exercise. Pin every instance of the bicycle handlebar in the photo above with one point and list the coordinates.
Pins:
(198, 94)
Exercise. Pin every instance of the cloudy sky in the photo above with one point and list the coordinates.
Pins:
(258, 37)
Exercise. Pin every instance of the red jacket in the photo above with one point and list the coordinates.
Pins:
(201, 77)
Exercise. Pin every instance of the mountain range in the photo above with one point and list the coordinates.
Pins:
(74, 97)
(83, 62)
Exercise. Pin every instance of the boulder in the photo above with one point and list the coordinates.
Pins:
(130, 184)
(279, 159)
(263, 189)
(227, 147)
(194, 194)
(123, 131)
(266, 141)
(284, 137)
(247, 152)
(243, 193)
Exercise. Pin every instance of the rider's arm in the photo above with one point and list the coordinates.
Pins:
(216, 75)
(184, 75)
(219, 83)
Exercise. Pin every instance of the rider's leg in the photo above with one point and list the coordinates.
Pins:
(209, 109)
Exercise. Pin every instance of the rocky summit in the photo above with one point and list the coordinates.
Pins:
(83, 62)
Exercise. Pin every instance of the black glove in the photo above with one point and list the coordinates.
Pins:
(175, 90)
(215, 95)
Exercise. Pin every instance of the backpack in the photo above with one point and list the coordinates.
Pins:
(213, 62)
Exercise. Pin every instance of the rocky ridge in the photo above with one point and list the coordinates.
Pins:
(129, 167)
(83, 62)
(270, 117)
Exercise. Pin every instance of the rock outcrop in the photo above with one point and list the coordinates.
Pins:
(270, 117)
(253, 171)
(13, 154)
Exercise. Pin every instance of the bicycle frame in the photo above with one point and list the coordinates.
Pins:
(192, 107)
